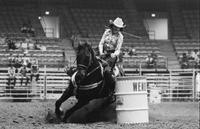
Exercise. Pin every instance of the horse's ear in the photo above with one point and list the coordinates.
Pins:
(82, 43)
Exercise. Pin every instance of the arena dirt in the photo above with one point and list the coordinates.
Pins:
(32, 115)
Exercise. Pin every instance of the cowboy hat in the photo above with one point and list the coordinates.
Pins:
(118, 23)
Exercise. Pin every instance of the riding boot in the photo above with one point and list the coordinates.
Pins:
(110, 81)
(111, 86)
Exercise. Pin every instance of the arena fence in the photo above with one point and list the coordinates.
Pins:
(52, 82)
(174, 85)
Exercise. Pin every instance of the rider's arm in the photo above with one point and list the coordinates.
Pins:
(102, 41)
(119, 45)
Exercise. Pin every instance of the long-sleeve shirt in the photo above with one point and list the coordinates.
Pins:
(23, 71)
(111, 41)
(11, 71)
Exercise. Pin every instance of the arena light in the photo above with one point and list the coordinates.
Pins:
(47, 12)
(39, 17)
(153, 15)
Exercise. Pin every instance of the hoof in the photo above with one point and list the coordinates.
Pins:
(51, 118)
(59, 113)
(65, 121)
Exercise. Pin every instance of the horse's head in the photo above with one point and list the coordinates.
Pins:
(85, 59)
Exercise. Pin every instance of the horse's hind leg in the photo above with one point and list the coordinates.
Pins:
(78, 105)
(67, 93)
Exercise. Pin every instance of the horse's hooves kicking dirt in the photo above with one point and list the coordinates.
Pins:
(51, 118)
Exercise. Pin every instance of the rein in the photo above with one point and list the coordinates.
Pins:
(89, 64)
(93, 71)
(90, 68)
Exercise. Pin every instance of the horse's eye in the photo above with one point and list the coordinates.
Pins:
(88, 55)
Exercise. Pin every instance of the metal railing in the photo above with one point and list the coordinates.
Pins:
(175, 85)
(51, 84)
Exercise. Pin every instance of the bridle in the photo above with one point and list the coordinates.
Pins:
(87, 70)
(86, 67)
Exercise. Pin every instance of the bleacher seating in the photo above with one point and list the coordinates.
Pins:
(143, 48)
(13, 16)
(51, 57)
(178, 29)
(184, 46)
(92, 21)
(89, 19)
(52, 82)
(137, 62)
(192, 22)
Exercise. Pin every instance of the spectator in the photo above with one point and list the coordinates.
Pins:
(27, 28)
(198, 62)
(154, 56)
(43, 48)
(197, 82)
(25, 60)
(24, 28)
(11, 74)
(23, 73)
(150, 61)
(11, 44)
(11, 60)
(73, 38)
(125, 51)
(18, 45)
(195, 54)
(31, 30)
(184, 61)
(34, 70)
(63, 59)
(24, 45)
(18, 62)
(196, 58)
(190, 55)
(2, 40)
(36, 46)
(193, 58)
(31, 46)
(132, 51)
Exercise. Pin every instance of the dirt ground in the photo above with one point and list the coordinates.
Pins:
(32, 115)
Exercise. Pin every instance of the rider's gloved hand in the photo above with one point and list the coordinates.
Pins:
(113, 55)
(102, 55)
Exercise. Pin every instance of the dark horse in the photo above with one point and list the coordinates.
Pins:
(87, 83)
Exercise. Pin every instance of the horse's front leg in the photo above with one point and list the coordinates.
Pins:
(67, 93)
(78, 105)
